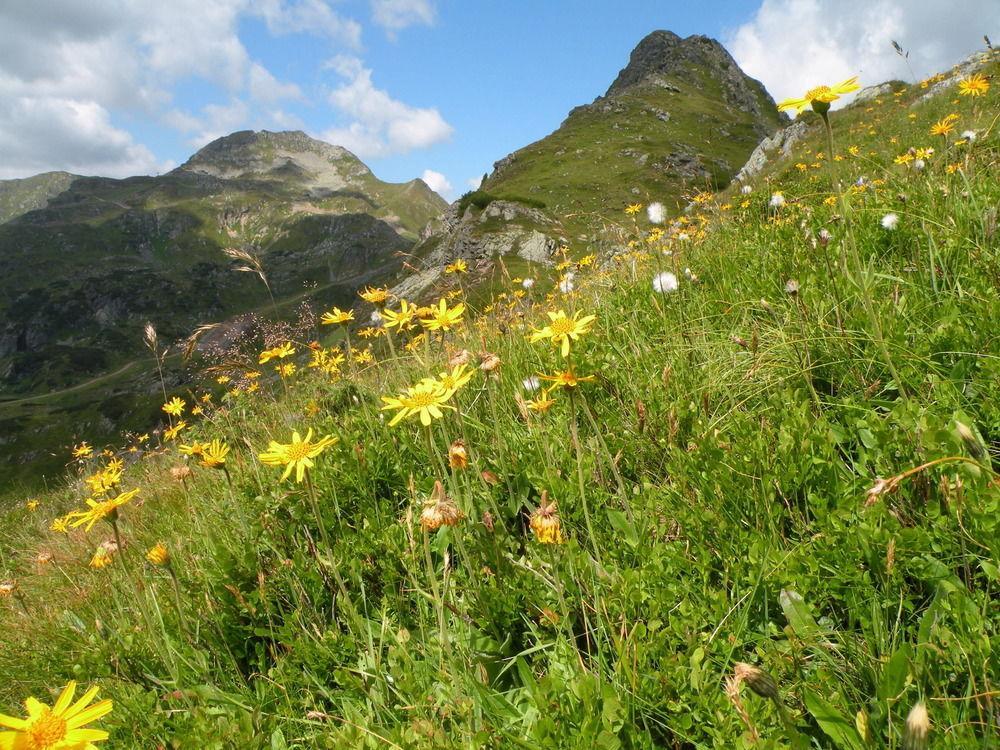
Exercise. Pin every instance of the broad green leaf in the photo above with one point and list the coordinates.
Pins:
(835, 725)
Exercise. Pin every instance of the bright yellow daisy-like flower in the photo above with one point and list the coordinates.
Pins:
(363, 356)
(103, 556)
(541, 404)
(974, 85)
(213, 455)
(172, 432)
(633, 208)
(562, 330)
(452, 381)
(285, 370)
(566, 379)
(819, 98)
(158, 554)
(83, 450)
(403, 319)
(277, 352)
(98, 510)
(175, 406)
(195, 449)
(443, 319)
(459, 266)
(375, 295)
(336, 315)
(61, 727)
(426, 398)
(103, 481)
(297, 455)
(60, 525)
(945, 125)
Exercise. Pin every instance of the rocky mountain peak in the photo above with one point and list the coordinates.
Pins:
(287, 155)
(691, 59)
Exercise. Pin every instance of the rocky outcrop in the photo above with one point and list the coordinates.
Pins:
(784, 139)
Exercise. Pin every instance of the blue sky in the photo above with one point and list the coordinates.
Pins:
(432, 88)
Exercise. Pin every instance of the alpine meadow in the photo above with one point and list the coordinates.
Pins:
(680, 431)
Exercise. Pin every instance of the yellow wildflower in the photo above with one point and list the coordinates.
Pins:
(277, 352)
(213, 455)
(403, 320)
(459, 266)
(83, 450)
(374, 295)
(562, 330)
(297, 455)
(172, 432)
(974, 85)
(819, 98)
(442, 318)
(566, 379)
(158, 554)
(61, 727)
(633, 208)
(944, 125)
(99, 510)
(336, 315)
(175, 406)
(426, 398)
(545, 522)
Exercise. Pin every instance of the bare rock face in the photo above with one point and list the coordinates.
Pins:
(784, 139)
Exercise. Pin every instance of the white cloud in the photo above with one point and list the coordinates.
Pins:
(395, 15)
(307, 16)
(68, 69)
(380, 125)
(438, 183)
(793, 45)
(474, 182)
(40, 134)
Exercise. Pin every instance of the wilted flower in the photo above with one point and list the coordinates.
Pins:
(759, 681)
(792, 287)
(458, 456)
(545, 522)
(180, 473)
(566, 283)
(439, 510)
(969, 136)
(488, 361)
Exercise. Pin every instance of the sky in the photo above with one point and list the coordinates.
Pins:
(438, 89)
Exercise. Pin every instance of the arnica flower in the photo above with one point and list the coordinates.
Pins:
(297, 455)
(633, 208)
(562, 330)
(105, 480)
(213, 456)
(103, 556)
(158, 555)
(286, 369)
(974, 85)
(665, 282)
(545, 521)
(60, 525)
(61, 727)
(945, 125)
(374, 295)
(172, 432)
(453, 381)
(565, 379)
(458, 456)
(427, 398)
(541, 404)
(99, 510)
(175, 406)
(194, 449)
(336, 315)
(31, 505)
(442, 318)
(820, 98)
(277, 352)
(459, 266)
(83, 450)
(439, 510)
(403, 320)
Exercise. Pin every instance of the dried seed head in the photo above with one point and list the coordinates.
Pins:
(458, 456)
(545, 522)
(759, 681)
(439, 510)
(918, 726)
(180, 473)
(972, 443)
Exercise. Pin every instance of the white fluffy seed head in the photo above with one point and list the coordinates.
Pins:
(656, 213)
(890, 221)
(665, 282)
(777, 200)
(528, 283)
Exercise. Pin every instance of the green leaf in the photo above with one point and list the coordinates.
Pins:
(797, 613)
(834, 724)
(278, 741)
(894, 676)
(626, 530)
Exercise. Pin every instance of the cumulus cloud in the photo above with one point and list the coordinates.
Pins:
(793, 45)
(474, 182)
(379, 125)
(438, 183)
(68, 69)
(395, 15)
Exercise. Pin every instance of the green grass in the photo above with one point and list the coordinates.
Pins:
(712, 482)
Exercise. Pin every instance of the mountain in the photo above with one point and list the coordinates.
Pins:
(680, 118)
(86, 261)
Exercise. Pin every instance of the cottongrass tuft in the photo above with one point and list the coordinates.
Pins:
(566, 283)
(531, 384)
(918, 726)
(746, 190)
(665, 282)
(528, 283)
(777, 200)
(656, 213)
(890, 221)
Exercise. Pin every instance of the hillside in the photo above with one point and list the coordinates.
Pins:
(735, 486)
(97, 258)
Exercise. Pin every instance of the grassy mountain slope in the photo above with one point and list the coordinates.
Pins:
(790, 461)
(18, 197)
(81, 274)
